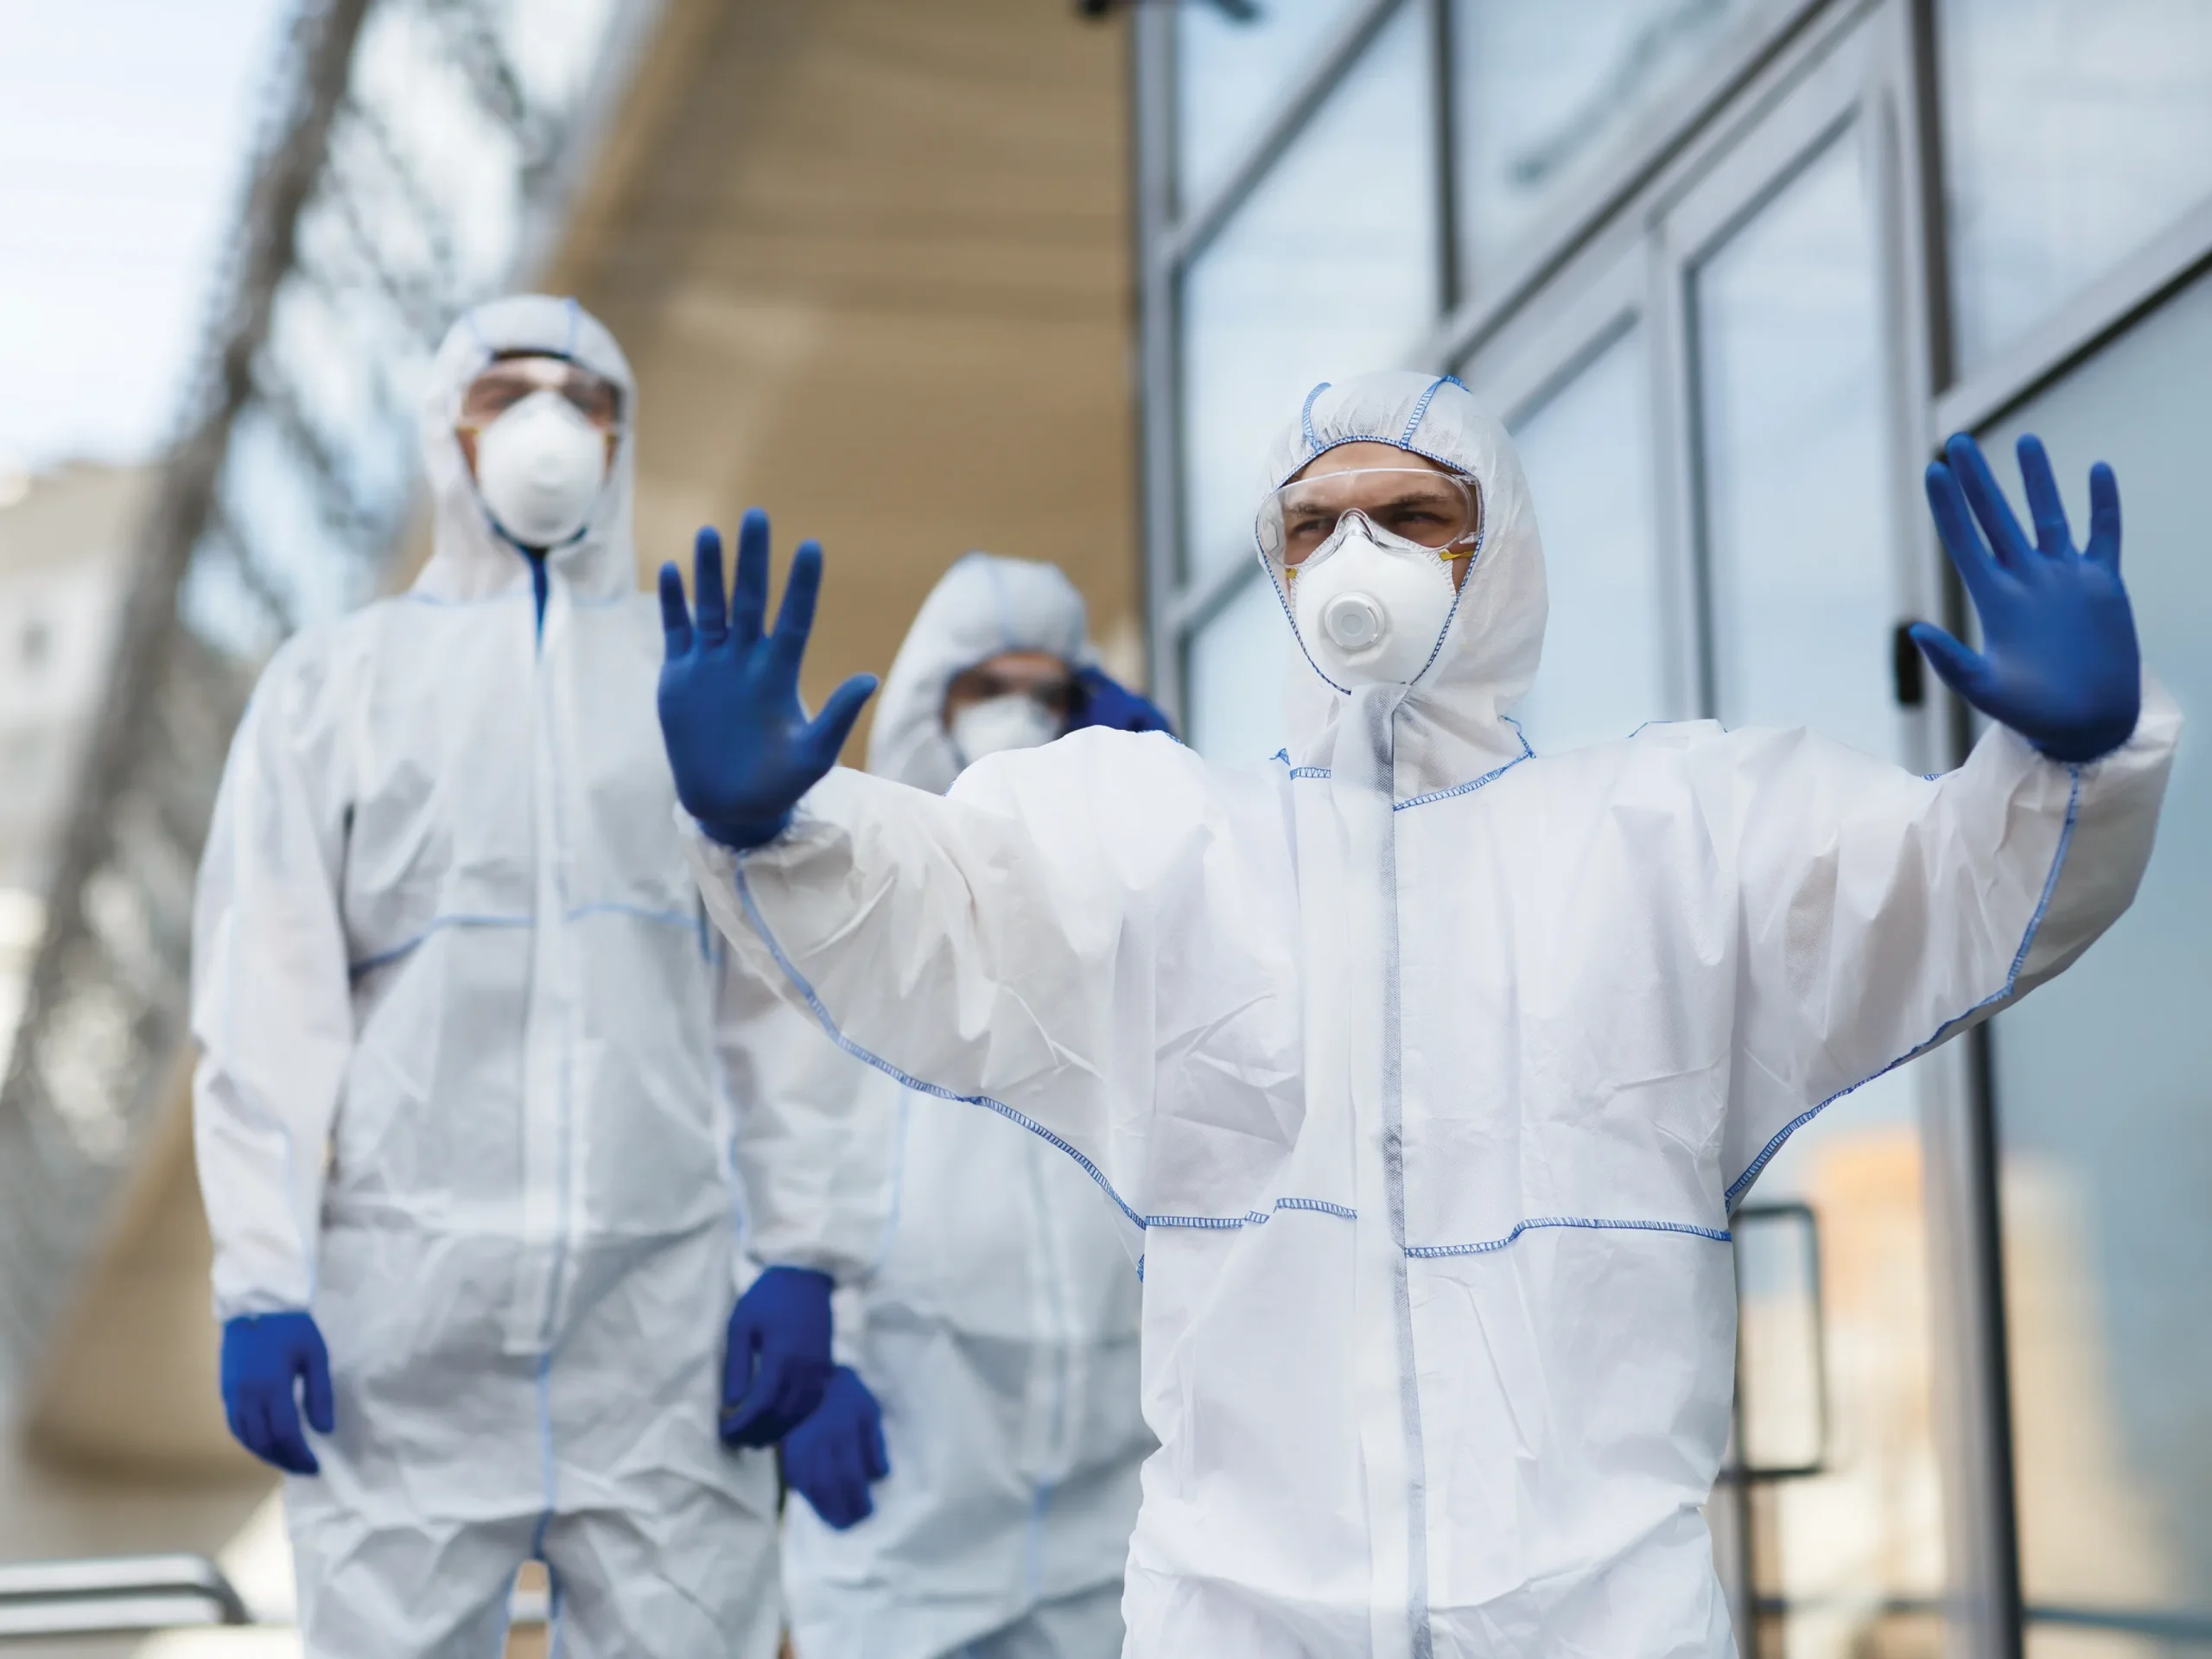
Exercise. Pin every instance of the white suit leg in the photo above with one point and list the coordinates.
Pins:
(427, 1590)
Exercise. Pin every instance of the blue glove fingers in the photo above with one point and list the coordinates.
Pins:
(250, 1422)
(2007, 542)
(2104, 518)
(2054, 536)
(749, 603)
(795, 618)
(286, 1444)
(844, 1487)
(1965, 671)
(675, 614)
(710, 618)
(1969, 555)
(743, 1410)
(826, 737)
(322, 1404)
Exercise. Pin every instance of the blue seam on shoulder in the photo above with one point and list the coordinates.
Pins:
(1319, 1206)
(828, 1024)
(1469, 787)
(1595, 1223)
(2011, 978)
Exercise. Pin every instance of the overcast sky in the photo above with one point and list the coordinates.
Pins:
(125, 126)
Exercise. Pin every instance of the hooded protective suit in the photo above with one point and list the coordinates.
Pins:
(467, 1090)
(1429, 1070)
(998, 1323)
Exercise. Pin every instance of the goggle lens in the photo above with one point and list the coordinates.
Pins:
(1433, 509)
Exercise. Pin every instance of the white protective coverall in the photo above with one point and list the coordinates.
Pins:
(461, 1095)
(1430, 1069)
(998, 1324)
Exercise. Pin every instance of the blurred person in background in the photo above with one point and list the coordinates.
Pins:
(465, 1117)
(990, 1351)
(1433, 1068)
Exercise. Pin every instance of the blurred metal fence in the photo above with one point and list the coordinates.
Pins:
(412, 154)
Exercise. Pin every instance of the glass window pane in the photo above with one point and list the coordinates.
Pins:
(1787, 325)
(1545, 97)
(1329, 270)
(1798, 534)
(1235, 60)
(2104, 1078)
(2073, 130)
(1586, 449)
(1235, 676)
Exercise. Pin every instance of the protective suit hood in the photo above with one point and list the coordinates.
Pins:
(983, 606)
(469, 558)
(1450, 724)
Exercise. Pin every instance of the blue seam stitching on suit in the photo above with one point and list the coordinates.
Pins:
(1471, 786)
(828, 1024)
(2011, 978)
(1318, 1206)
(1719, 1235)
(1420, 408)
(1305, 417)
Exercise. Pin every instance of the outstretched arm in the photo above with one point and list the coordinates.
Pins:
(1882, 913)
(996, 946)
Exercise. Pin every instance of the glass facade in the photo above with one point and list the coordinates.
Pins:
(2074, 131)
(1547, 96)
(1680, 246)
(1331, 260)
(2104, 1081)
(1603, 672)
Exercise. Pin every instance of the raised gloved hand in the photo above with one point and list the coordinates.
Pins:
(1101, 700)
(778, 1361)
(266, 1356)
(2059, 663)
(739, 740)
(831, 1457)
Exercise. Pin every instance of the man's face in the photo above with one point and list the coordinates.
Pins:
(508, 380)
(1034, 674)
(1360, 457)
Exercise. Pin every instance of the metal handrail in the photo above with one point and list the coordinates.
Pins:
(115, 1594)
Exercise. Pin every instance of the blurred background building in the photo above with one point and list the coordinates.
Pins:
(1040, 276)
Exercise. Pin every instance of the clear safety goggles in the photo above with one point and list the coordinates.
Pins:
(1441, 511)
(511, 379)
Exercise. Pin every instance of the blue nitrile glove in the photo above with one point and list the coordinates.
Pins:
(1101, 700)
(778, 1361)
(265, 1357)
(2059, 663)
(739, 740)
(831, 1457)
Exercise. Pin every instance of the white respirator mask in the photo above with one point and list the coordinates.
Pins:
(539, 469)
(1370, 605)
(1012, 722)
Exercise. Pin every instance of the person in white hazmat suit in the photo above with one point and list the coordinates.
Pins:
(1429, 1068)
(997, 1326)
(465, 1108)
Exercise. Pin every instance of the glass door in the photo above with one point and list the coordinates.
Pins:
(1789, 369)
